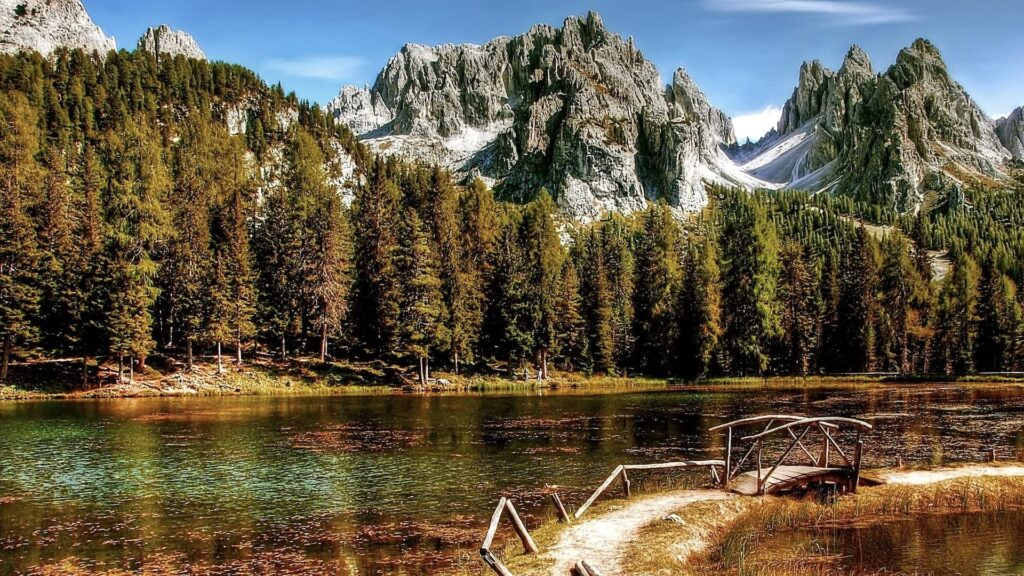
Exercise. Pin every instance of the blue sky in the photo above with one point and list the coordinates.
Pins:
(745, 54)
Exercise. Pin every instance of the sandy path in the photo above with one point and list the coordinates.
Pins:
(602, 539)
(921, 477)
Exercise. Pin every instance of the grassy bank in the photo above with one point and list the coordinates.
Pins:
(745, 545)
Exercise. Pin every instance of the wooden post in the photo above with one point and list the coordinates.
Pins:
(728, 458)
(759, 466)
(857, 452)
(600, 489)
(992, 455)
(493, 528)
(590, 568)
(524, 536)
(823, 462)
(625, 483)
(580, 570)
(494, 563)
(563, 516)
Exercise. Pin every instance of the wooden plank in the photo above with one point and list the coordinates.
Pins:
(684, 464)
(492, 561)
(493, 528)
(625, 483)
(524, 536)
(600, 489)
(590, 568)
(563, 516)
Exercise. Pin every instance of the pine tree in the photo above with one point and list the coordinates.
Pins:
(480, 231)
(598, 295)
(571, 345)
(956, 317)
(798, 299)
(999, 322)
(857, 304)
(276, 250)
(750, 306)
(510, 319)
(699, 316)
(904, 295)
(544, 256)
(422, 304)
(377, 292)
(617, 249)
(135, 196)
(657, 275)
(453, 267)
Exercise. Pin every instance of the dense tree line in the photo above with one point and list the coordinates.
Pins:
(132, 220)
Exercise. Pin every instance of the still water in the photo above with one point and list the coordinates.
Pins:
(938, 545)
(384, 484)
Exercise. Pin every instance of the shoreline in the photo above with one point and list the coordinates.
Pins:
(676, 531)
(303, 377)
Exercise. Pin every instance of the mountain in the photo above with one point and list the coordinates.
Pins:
(162, 40)
(887, 138)
(46, 25)
(576, 109)
(1011, 132)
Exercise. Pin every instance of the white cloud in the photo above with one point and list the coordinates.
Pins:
(338, 68)
(849, 12)
(756, 124)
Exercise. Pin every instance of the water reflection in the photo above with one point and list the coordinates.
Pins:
(381, 484)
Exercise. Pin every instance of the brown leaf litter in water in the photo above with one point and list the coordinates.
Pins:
(346, 438)
(175, 564)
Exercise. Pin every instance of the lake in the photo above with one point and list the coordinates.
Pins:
(385, 484)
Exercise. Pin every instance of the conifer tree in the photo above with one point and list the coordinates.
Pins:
(750, 271)
(276, 250)
(699, 316)
(544, 255)
(598, 295)
(19, 250)
(956, 317)
(616, 236)
(568, 318)
(999, 322)
(376, 219)
(510, 320)
(480, 233)
(657, 275)
(799, 335)
(903, 297)
(857, 304)
(422, 305)
(453, 267)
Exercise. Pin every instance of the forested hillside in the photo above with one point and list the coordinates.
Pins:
(143, 212)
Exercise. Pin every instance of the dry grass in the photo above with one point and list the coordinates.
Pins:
(742, 546)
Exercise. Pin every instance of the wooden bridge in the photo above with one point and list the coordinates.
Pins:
(797, 466)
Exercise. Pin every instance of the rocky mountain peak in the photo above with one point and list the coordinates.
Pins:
(576, 109)
(163, 41)
(809, 97)
(858, 62)
(47, 25)
(1011, 132)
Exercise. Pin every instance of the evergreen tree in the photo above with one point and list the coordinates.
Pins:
(422, 304)
(999, 322)
(277, 249)
(700, 310)
(544, 256)
(956, 317)
(618, 256)
(569, 325)
(657, 275)
(599, 296)
(19, 250)
(375, 219)
(750, 270)
(857, 305)
(510, 320)
(799, 335)
(480, 233)
(903, 297)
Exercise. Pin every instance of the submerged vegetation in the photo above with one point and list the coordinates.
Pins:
(165, 210)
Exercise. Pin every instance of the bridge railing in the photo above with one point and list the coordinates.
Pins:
(797, 429)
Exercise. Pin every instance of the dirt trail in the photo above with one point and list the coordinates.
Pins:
(601, 540)
(921, 477)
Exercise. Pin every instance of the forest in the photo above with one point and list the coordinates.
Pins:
(134, 220)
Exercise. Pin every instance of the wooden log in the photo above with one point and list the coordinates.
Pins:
(580, 570)
(493, 528)
(684, 464)
(590, 568)
(625, 483)
(857, 453)
(524, 535)
(494, 563)
(600, 489)
(563, 516)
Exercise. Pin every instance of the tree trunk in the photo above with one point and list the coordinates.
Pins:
(456, 361)
(188, 349)
(5, 362)
(85, 371)
(543, 364)
(426, 370)
(284, 349)
(120, 367)
(131, 369)
(323, 346)
(220, 361)
(238, 351)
